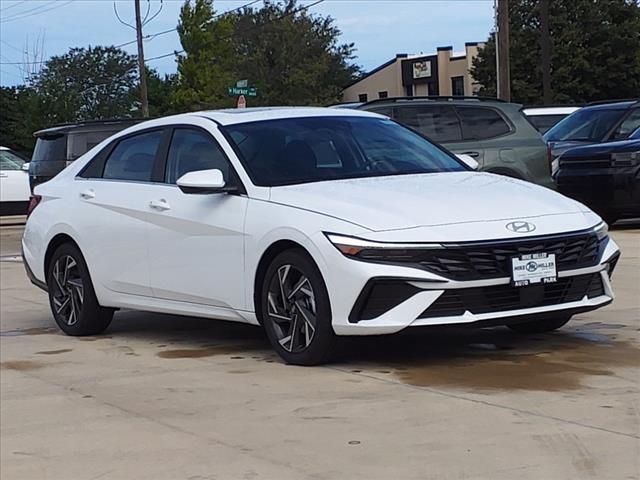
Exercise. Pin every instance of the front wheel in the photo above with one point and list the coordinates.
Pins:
(72, 299)
(540, 326)
(295, 308)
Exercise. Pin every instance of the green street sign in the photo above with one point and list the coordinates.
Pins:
(246, 91)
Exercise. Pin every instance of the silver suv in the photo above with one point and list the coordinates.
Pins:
(495, 133)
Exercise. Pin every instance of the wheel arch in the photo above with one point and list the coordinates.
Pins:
(275, 249)
(54, 243)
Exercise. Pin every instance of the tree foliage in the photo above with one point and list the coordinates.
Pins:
(88, 83)
(595, 51)
(290, 55)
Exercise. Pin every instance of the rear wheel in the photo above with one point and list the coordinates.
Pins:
(295, 309)
(540, 326)
(72, 299)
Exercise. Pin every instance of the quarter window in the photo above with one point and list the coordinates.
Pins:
(438, 123)
(193, 150)
(480, 123)
(133, 157)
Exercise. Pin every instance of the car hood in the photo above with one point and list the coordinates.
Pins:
(428, 200)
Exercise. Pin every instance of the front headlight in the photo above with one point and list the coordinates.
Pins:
(601, 230)
(377, 251)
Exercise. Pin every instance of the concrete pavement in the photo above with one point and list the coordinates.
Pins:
(166, 397)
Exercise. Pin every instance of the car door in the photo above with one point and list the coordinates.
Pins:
(196, 246)
(112, 211)
(14, 183)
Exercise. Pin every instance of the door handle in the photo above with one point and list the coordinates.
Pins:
(88, 194)
(471, 154)
(160, 205)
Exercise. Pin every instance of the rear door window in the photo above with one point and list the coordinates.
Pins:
(439, 123)
(133, 158)
(481, 123)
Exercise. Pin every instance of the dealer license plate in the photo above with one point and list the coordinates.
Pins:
(533, 268)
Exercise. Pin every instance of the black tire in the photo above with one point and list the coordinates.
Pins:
(68, 281)
(540, 326)
(313, 338)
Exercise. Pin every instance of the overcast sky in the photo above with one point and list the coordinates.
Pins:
(379, 28)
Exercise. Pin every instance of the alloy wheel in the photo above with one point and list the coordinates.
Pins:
(291, 305)
(68, 289)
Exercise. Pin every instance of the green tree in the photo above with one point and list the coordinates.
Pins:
(205, 69)
(291, 56)
(161, 94)
(595, 51)
(87, 83)
(21, 114)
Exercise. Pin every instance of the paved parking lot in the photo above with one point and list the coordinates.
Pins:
(166, 397)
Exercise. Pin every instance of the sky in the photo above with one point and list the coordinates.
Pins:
(379, 28)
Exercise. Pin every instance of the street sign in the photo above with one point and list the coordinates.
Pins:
(242, 102)
(242, 83)
(247, 91)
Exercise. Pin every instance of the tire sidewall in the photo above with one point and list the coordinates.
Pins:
(91, 318)
(324, 338)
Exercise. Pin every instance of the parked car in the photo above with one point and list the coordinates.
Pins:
(543, 118)
(605, 177)
(598, 122)
(495, 133)
(58, 146)
(313, 223)
(14, 183)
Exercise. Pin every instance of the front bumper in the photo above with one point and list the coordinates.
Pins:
(395, 308)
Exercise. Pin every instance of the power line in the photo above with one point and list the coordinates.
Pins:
(20, 16)
(14, 5)
(287, 14)
(151, 36)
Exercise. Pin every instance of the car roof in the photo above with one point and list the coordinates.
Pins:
(88, 125)
(549, 110)
(256, 114)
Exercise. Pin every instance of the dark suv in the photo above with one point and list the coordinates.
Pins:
(58, 146)
(598, 122)
(495, 133)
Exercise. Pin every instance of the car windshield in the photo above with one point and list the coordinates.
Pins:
(301, 150)
(588, 125)
(10, 161)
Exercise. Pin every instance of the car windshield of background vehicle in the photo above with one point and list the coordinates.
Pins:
(10, 161)
(301, 150)
(584, 125)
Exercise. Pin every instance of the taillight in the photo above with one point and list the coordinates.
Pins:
(34, 201)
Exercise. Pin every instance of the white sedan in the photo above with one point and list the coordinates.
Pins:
(14, 183)
(313, 223)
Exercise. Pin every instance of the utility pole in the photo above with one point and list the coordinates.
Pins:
(502, 51)
(545, 52)
(141, 67)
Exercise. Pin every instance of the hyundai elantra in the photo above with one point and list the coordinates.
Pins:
(313, 223)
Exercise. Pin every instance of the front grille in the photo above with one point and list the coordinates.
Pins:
(483, 261)
(500, 298)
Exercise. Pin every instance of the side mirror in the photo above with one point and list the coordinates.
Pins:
(202, 181)
(468, 161)
(25, 167)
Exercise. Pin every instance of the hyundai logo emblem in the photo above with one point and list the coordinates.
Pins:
(521, 227)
